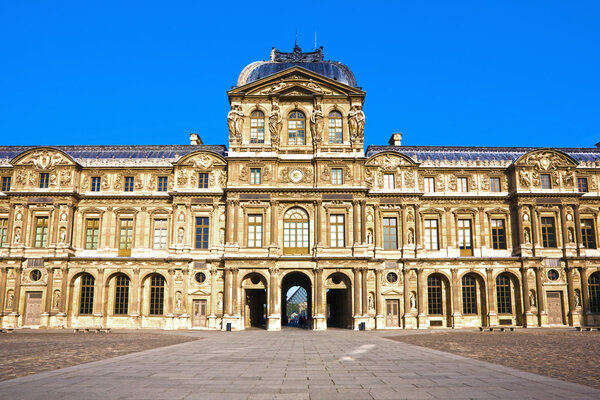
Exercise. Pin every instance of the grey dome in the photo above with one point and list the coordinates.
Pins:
(313, 61)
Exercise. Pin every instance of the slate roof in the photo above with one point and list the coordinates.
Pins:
(450, 153)
(169, 153)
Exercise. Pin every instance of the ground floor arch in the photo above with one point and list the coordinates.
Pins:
(289, 281)
(338, 289)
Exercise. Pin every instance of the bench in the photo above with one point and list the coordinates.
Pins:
(97, 329)
(501, 329)
(7, 330)
(587, 329)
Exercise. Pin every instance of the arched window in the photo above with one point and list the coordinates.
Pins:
(434, 295)
(335, 127)
(469, 295)
(157, 295)
(594, 291)
(122, 294)
(296, 128)
(257, 127)
(503, 294)
(295, 231)
(86, 298)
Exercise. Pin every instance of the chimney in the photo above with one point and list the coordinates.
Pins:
(195, 139)
(396, 139)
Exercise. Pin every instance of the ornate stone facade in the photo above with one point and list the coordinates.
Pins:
(198, 236)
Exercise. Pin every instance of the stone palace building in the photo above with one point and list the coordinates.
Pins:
(205, 236)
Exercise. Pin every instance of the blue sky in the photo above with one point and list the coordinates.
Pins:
(495, 73)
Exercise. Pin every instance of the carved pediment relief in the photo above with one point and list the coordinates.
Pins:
(43, 159)
(389, 161)
(202, 160)
(546, 160)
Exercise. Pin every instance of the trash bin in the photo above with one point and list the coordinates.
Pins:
(362, 326)
(228, 328)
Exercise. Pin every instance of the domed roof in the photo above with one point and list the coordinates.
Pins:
(312, 61)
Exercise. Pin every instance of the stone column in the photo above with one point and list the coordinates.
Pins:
(16, 301)
(355, 222)
(578, 239)
(527, 316)
(229, 223)
(214, 292)
(491, 288)
(406, 294)
(541, 304)
(357, 287)
(421, 317)
(236, 221)
(2, 289)
(171, 294)
(135, 293)
(534, 234)
(519, 233)
(235, 298)
(563, 225)
(573, 320)
(227, 295)
(318, 272)
(585, 295)
(376, 232)
(365, 292)
(49, 287)
(378, 297)
(184, 306)
(63, 290)
(456, 314)
(99, 294)
(319, 222)
(363, 221)
(417, 229)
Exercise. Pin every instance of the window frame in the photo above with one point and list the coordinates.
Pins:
(495, 184)
(545, 181)
(588, 233)
(464, 228)
(203, 180)
(6, 182)
(160, 226)
(92, 241)
(337, 176)
(428, 234)
(462, 184)
(582, 184)
(162, 184)
(429, 184)
(44, 180)
(390, 241)
(126, 234)
(504, 294)
(337, 230)
(96, 183)
(255, 230)
(549, 238)
(86, 294)
(3, 231)
(296, 128)
(593, 284)
(129, 184)
(469, 294)
(255, 176)
(41, 232)
(300, 228)
(121, 299)
(389, 181)
(257, 127)
(156, 296)
(335, 127)
(435, 297)
(498, 233)
(202, 233)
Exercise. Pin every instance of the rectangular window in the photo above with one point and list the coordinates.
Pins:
(545, 181)
(336, 176)
(3, 231)
(548, 232)
(581, 185)
(203, 180)
(588, 236)
(163, 182)
(92, 229)
(257, 127)
(389, 181)
(255, 230)
(335, 128)
(129, 181)
(390, 233)
(336, 229)
(465, 243)
(44, 176)
(125, 237)
(41, 232)
(495, 184)
(498, 234)
(431, 234)
(255, 176)
(429, 185)
(6, 183)
(96, 180)
(202, 232)
(463, 185)
(160, 234)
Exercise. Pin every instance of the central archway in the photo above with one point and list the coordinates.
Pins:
(254, 300)
(339, 301)
(304, 313)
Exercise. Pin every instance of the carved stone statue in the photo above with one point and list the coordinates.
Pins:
(526, 234)
(17, 235)
(220, 301)
(411, 237)
(356, 121)
(180, 236)
(577, 299)
(10, 300)
(371, 304)
(178, 301)
(63, 235)
(524, 178)
(413, 301)
(275, 124)
(56, 301)
(316, 120)
(235, 122)
(531, 298)
(571, 236)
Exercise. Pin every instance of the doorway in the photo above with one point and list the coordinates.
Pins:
(33, 308)
(339, 301)
(296, 292)
(199, 314)
(255, 308)
(555, 308)
(392, 317)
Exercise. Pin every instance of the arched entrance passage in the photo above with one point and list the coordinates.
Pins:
(296, 280)
(254, 287)
(339, 301)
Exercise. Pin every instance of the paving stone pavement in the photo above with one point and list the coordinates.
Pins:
(292, 364)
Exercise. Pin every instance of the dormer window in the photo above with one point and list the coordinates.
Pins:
(44, 180)
(335, 127)
(257, 127)
(296, 128)
(545, 181)
(389, 181)
(129, 180)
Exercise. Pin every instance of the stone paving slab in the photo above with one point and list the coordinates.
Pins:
(292, 364)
